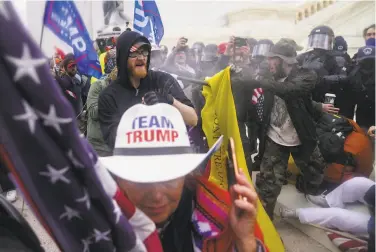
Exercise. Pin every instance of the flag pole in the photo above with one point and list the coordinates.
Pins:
(196, 81)
(41, 37)
(42, 32)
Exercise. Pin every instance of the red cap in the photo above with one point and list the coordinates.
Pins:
(222, 48)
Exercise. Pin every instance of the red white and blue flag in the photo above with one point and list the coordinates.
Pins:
(64, 20)
(73, 196)
(258, 101)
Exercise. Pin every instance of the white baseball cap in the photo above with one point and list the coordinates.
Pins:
(152, 145)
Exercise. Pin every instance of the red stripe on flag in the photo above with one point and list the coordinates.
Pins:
(332, 236)
(125, 204)
(52, 23)
(351, 244)
(79, 25)
(81, 57)
(95, 68)
(153, 243)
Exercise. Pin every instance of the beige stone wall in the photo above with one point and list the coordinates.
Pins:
(312, 7)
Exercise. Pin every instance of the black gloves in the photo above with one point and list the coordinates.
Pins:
(152, 97)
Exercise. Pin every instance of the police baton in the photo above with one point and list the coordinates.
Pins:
(195, 81)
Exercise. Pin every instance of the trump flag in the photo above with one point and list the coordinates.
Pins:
(64, 20)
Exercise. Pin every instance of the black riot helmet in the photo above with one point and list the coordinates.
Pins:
(251, 43)
(262, 47)
(321, 37)
(210, 53)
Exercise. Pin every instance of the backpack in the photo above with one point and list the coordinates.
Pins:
(345, 147)
(332, 131)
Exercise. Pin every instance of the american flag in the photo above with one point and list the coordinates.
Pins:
(258, 101)
(73, 196)
(346, 244)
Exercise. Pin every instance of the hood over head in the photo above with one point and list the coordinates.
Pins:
(69, 58)
(124, 43)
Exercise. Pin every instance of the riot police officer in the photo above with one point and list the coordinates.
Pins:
(196, 57)
(362, 80)
(259, 62)
(343, 95)
(320, 59)
(340, 53)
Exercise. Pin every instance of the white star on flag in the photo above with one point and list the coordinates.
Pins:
(86, 243)
(3, 11)
(26, 65)
(98, 235)
(51, 119)
(117, 211)
(203, 226)
(70, 213)
(56, 175)
(91, 156)
(74, 161)
(85, 199)
(29, 116)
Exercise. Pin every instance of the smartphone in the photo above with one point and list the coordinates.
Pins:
(239, 42)
(232, 164)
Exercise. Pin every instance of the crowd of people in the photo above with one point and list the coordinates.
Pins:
(304, 105)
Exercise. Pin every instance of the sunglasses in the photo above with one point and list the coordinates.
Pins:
(72, 65)
(138, 54)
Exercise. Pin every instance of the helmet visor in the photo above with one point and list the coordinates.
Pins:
(320, 41)
(261, 50)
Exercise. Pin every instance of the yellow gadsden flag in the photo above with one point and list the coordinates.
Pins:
(219, 118)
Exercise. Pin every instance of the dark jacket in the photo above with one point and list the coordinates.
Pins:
(343, 61)
(71, 88)
(323, 63)
(243, 104)
(362, 83)
(121, 95)
(296, 92)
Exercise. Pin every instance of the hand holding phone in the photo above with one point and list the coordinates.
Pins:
(232, 164)
(243, 212)
(240, 42)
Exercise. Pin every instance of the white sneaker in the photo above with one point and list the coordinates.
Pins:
(319, 200)
(11, 196)
(287, 213)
